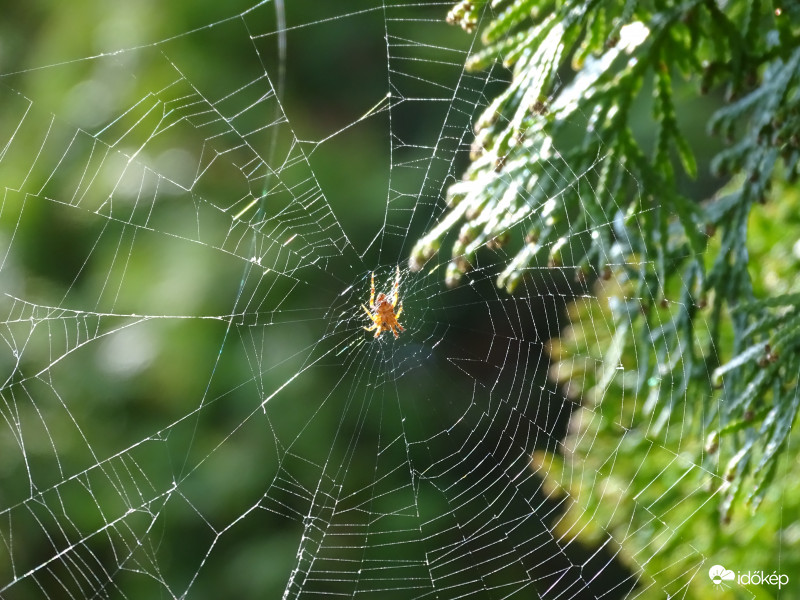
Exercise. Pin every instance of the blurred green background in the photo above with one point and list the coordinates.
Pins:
(145, 326)
(190, 402)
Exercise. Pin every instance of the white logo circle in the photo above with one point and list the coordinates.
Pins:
(718, 574)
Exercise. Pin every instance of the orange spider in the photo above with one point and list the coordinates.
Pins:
(382, 314)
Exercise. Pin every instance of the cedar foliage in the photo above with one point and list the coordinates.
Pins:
(602, 205)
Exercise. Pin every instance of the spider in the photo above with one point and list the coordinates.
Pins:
(382, 314)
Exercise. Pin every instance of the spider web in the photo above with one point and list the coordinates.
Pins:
(191, 406)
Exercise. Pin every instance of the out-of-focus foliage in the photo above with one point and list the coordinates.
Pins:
(653, 485)
(560, 177)
(119, 388)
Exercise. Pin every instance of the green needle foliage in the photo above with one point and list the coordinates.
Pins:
(560, 178)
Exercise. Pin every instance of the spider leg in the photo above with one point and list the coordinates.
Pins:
(395, 327)
(396, 291)
(399, 312)
(372, 291)
(372, 317)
